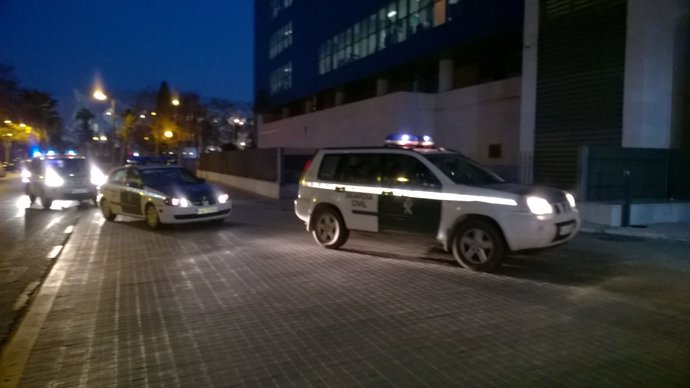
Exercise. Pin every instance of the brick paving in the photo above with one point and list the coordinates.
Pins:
(256, 303)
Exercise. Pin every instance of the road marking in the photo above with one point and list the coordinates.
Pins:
(15, 355)
(16, 352)
(55, 252)
(69, 229)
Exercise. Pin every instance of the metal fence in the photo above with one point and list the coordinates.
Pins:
(280, 165)
(609, 173)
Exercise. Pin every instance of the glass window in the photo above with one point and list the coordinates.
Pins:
(463, 170)
(167, 176)
(350, 168)
(402, 8)
(118, 177)
(404, 170)
(67, 166)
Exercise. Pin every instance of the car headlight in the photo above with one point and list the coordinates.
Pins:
(223, 198)
(539, 205)
(181, 202)
(26, 175)
(571, 199)
(53, 179)
(97, 176)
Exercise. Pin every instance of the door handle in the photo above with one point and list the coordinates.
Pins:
(340, 188)
(386, 193)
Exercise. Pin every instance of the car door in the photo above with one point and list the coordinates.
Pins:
(409, 201)
(131, 194)
(112, 188)
(353, 187)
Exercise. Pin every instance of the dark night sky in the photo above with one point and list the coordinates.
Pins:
(205, 46)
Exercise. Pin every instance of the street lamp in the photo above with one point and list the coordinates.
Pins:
(168, 133)
(99, 95)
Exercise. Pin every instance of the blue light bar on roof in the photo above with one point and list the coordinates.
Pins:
(406, 140)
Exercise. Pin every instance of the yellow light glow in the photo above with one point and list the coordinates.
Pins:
(103, 138)
(8, 121)
(154, 114)
(95, 138)
(168, 134)
(175, 101)
(99, 95)
(22, 125)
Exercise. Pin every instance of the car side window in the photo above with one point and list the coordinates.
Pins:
(118, 177)
(404, 170)
(134, 179)
(359, 169)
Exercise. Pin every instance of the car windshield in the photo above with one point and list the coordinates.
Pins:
(67, 166)
(168, 176)
(463, 170)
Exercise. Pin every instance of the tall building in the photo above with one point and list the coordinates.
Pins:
(519, 85)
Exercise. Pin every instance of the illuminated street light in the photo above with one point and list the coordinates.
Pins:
(175, 102)
(8, 121)
(22, 125)
(142, 116)
(154, 114)
(103, 138)
(99, 95)
(168, 134)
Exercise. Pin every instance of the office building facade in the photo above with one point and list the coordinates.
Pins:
(519, 85)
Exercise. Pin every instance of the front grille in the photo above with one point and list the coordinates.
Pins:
(204, 201)
(562, 208)
(194, 216)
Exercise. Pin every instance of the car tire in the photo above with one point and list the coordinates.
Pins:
(32, 199)
(151, 216)
(478, 245)
(329, 229)
(107, 211)
(46, 202)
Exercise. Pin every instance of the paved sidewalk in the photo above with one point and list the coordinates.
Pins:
(678, 231)
(256, 303)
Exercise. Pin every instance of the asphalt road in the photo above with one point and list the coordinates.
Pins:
(256, 303)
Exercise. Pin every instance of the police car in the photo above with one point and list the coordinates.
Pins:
(410, 186)
(61, 177)
(161, 194)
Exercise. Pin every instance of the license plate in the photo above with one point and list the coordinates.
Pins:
(566, 229)
(80, 191)
(207, 210)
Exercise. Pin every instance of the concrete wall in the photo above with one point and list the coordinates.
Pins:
(472, 118)
(265, 188)
(467, 119)
(652, 46)
(362, 123)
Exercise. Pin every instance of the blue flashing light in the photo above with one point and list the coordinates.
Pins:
(406, 140)
(51, 153)
(36, 153)
(150, 159)
(71, 152)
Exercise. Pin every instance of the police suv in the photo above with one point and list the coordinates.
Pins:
(413, 187)
(61, 177)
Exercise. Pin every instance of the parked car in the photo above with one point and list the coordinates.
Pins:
(410, 186)
(162, 194)
(61, 177)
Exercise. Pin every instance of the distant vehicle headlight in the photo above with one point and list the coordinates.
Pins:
(97, 176)
(539, 205)
(26, 175)
(53, 179)
(223, 198)
(571, 199)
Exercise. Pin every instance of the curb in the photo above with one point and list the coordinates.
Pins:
(15, 353)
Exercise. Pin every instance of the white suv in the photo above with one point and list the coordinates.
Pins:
(430, 191)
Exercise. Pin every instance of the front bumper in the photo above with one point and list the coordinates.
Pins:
(70, 192)
(183, 215)
(529, 231)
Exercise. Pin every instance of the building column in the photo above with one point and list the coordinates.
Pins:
(381, 86)
(445, 74)
(650, 62)
(528, 98)
(339, 97)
